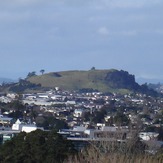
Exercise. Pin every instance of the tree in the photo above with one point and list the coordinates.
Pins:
(16, 105)
(51, 123)
(42, 71)
(30, 74)
(121, 119)
(98, 116)
(36, 147)
(93, 68)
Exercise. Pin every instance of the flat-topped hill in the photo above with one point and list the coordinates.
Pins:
(102, 80)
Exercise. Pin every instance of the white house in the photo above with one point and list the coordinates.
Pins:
(78, 112)
(148, 135)
(25, 127)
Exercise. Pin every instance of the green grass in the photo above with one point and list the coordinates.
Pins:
(75, 80)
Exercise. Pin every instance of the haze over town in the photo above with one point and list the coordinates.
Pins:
(76, 35)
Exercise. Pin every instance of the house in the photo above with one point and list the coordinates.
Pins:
(25, 127)
(5, 120)
(78, 113)
(148, 135)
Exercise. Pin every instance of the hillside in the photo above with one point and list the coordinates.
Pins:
(108, 81)
(101, 80)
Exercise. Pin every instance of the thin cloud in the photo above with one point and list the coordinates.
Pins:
(133, 3)
(19, 2)
(103, 31)
(14, 16)
(92, 3)
(129, 33)
(159, 31)
(149, 76)
(100, 5)
(63, 28)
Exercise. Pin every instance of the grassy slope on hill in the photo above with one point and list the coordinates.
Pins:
(74, 80)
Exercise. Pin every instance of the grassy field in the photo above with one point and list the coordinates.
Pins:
(75, 80)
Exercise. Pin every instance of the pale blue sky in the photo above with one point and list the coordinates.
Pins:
(58, 35)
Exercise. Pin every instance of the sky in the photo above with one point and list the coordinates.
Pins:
(59, 35)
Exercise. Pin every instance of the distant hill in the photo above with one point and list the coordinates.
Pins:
(157, 87)
(146, 80)
(102, 80)
(84, 81)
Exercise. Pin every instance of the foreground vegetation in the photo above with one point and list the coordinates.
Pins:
(36, 147)
(49, 147)
(93, 157)
(104, 152)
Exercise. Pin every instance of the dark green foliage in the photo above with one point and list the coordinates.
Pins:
(51, 123)
(36, 147)
(42, 71)
(99, 101)
(87, 116)
(98, 116)
(147, 90)
(95, 117)
(23, 85)
(121, 119)
(16, 114)
(18, 109)
(93, 68)
(30, 74)
(156, 87)
(87, 90)
(16, 105)
(121, 79)
(55, 74)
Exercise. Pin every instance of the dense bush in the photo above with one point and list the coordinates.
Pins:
(36, 147)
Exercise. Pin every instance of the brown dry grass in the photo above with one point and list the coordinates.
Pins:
(92, 156)
(111, 153)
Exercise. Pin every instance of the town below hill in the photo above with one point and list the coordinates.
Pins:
(133, 120)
